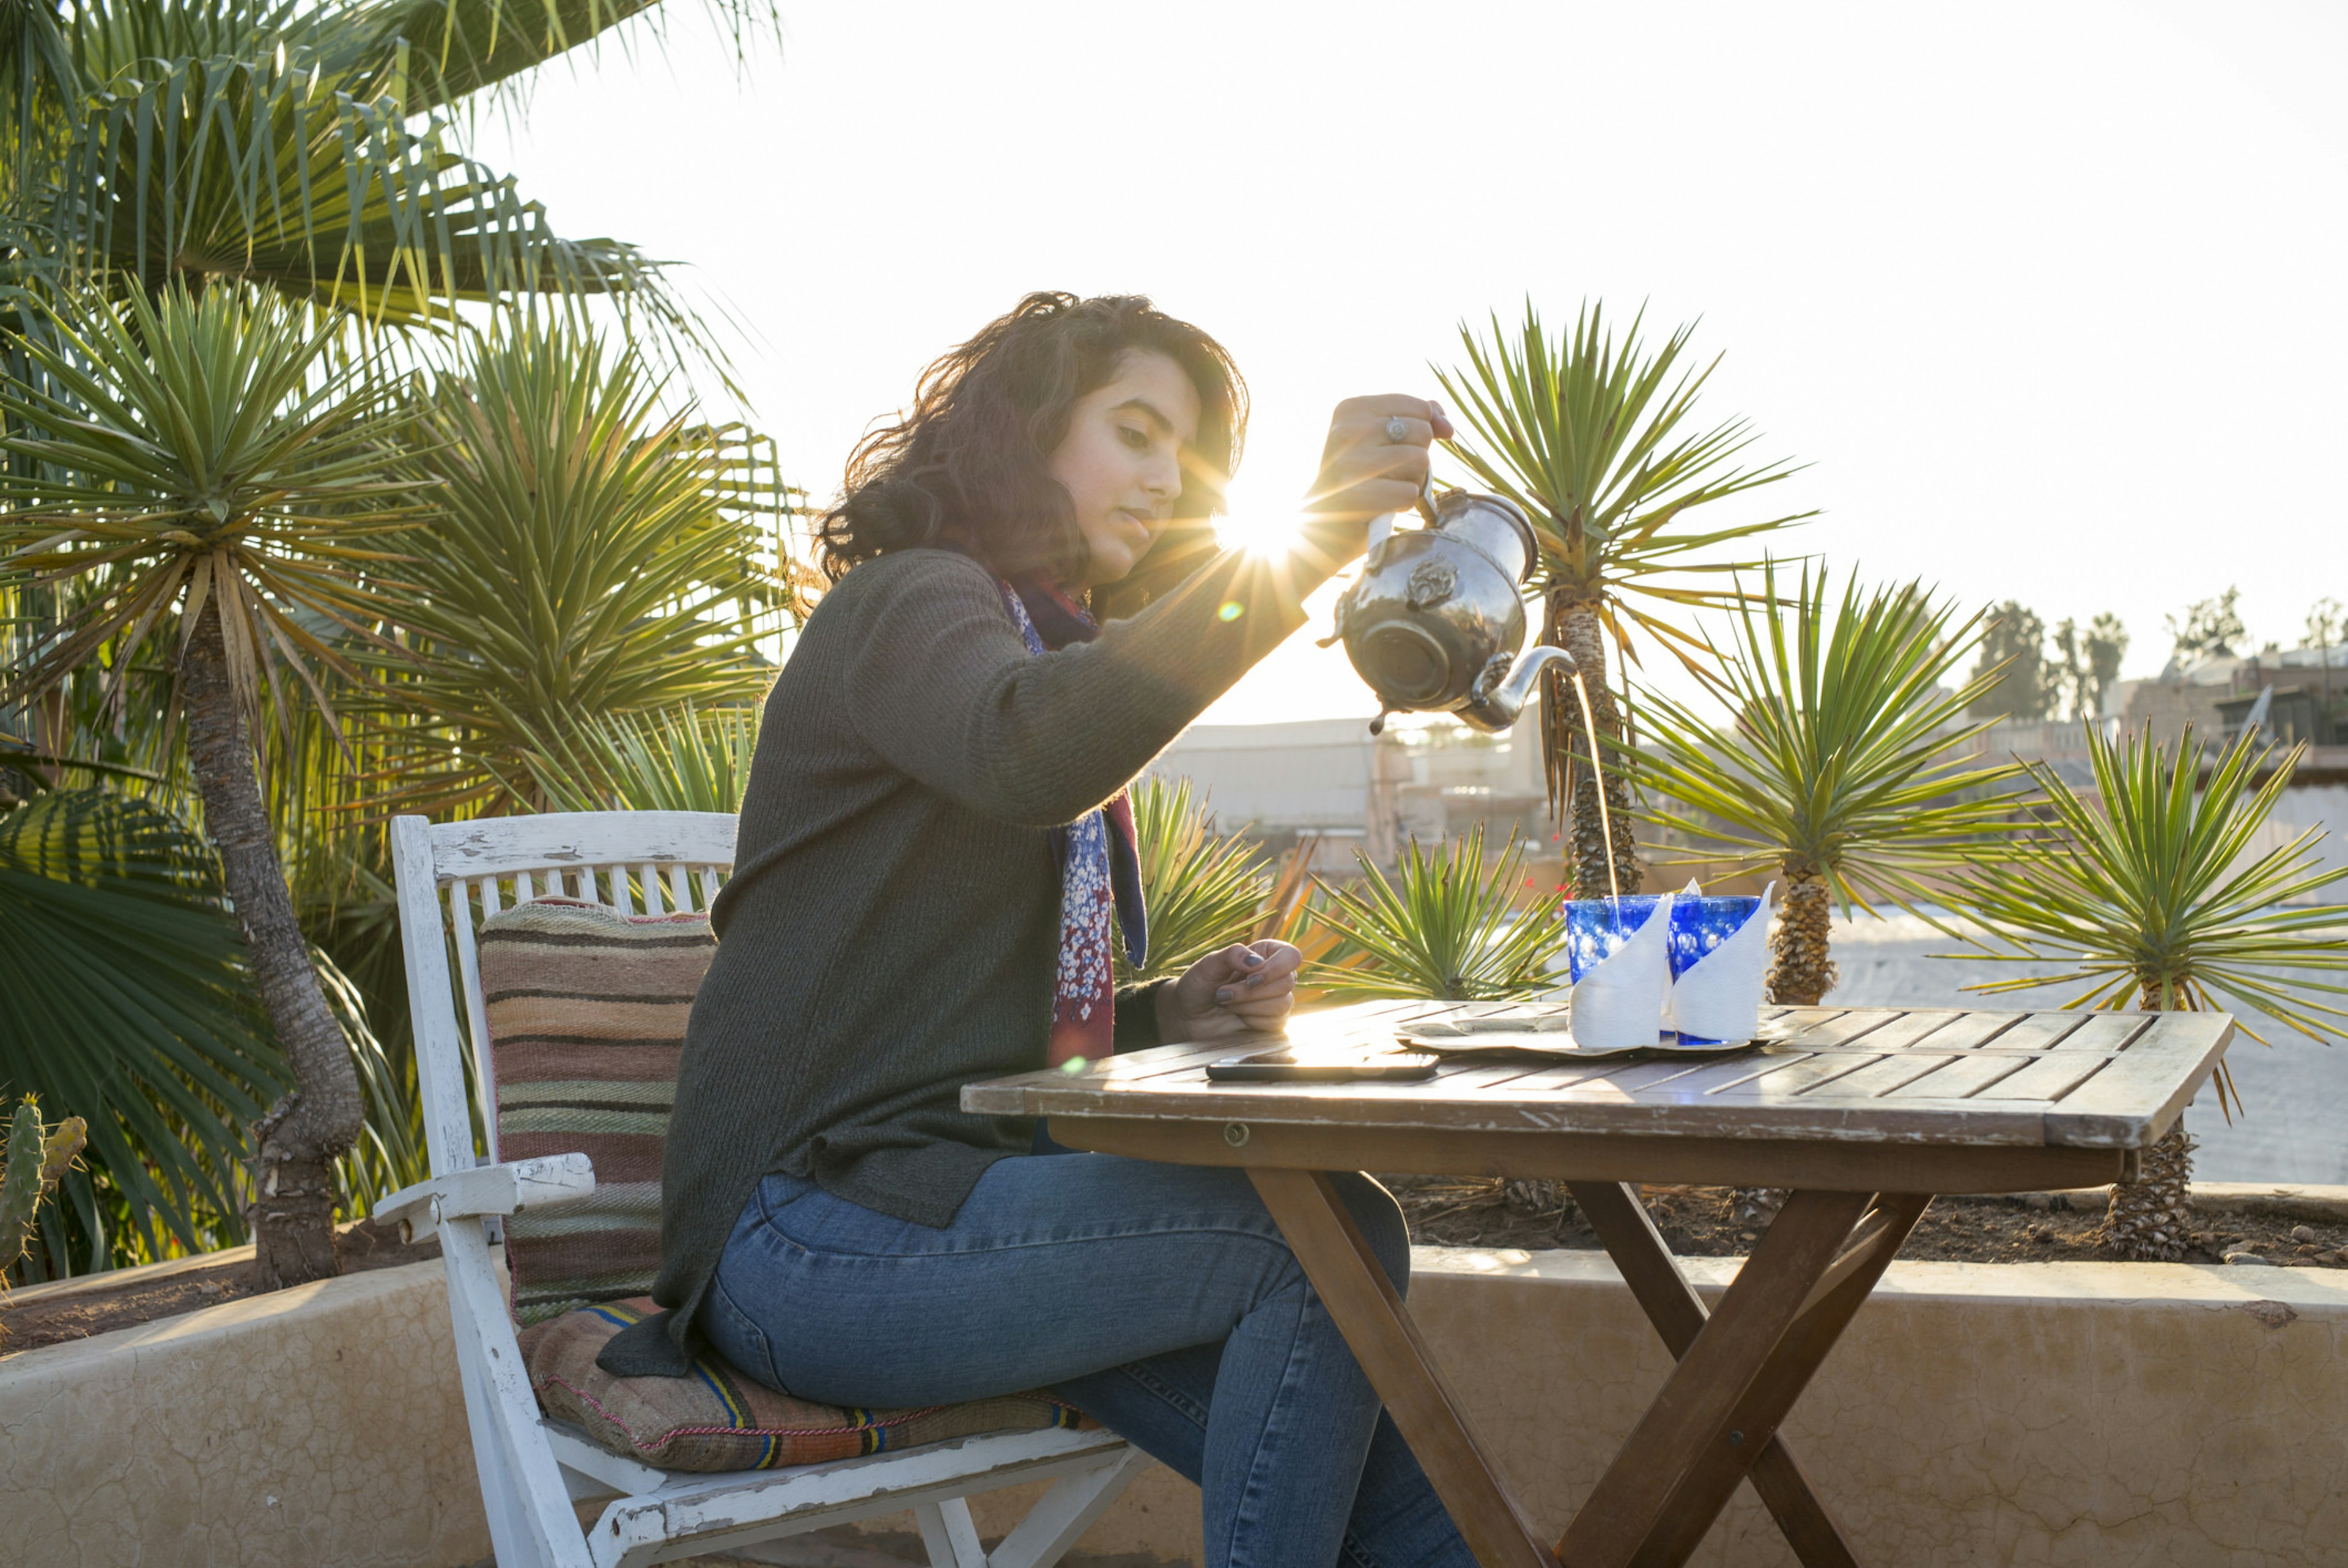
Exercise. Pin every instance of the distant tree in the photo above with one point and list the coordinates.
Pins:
(2084, 665)
(2326, 622)
(2016, 639)
(2211, 626)
(2106, 645)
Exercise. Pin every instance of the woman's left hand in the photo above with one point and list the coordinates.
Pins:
(1247, 988)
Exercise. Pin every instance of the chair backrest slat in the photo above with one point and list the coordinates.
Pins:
(546, 855)
(477, 1021)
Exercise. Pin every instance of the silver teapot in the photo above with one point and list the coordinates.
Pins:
(1436, 620)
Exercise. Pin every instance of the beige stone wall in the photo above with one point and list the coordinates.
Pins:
(319, 1425)
(2027, 1414)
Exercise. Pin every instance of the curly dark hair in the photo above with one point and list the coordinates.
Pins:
(968, 468)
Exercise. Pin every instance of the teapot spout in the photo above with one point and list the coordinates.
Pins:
(1496, 706)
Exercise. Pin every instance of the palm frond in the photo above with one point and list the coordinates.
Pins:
(2150, 893)
(1845, 757)
(123, 999)
(1447, 925)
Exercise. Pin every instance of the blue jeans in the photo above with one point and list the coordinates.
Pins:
(1159, 1299)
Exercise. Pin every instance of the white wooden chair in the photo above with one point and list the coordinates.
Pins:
(532, 1468)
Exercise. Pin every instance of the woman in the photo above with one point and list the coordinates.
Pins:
(935, 856)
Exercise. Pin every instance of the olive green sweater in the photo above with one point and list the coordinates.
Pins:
(891, 928)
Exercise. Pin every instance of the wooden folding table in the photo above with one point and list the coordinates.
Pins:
(1864, 1113)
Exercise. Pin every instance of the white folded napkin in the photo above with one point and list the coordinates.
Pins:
(1719, 996)
(1619, 1004)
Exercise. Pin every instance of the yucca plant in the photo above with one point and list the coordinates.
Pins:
(1448, 924)
(216, 463)
(1845, 770)
(685, 760)
(1204, 889)
(2149, 896)
(1593, 439)
(588, 554)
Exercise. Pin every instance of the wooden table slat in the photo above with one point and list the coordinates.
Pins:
(2138, 1095)
(2049, 1078)
(1963, 1078)
(2113, 1031)
(1887, 1073)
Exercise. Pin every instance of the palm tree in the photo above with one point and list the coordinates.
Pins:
(217, 463)
(2152, 894)
(1843, 771)
(1587, 436)
(1448, 924)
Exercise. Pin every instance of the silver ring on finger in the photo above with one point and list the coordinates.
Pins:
(1398, 430)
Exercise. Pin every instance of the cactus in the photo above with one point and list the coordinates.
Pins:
(34, 1160)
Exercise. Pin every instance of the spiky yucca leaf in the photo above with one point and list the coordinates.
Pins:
(1841, 763)
(2148, 891)
(1446, 925)
(204, 448)
(589, 554)
(1590, 437)
(681, 760)
(1204, 889)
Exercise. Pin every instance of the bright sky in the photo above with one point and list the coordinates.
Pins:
(2048, 296)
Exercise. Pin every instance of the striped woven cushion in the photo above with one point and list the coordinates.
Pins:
(587, 1009)
(718, 1419)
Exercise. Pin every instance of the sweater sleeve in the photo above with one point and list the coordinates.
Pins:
(939, 684)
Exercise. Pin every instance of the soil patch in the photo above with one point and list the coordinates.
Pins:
(1703, 1222)
(82, 1313)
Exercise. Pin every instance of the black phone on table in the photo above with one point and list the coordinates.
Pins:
(1281, 1065)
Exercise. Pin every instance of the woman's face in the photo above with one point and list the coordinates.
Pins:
(1121, 465)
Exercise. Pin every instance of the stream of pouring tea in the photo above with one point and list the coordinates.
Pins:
(1598, 778)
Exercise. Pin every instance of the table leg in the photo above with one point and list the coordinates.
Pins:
(1370, 1314)
(1666, 1484)
(1629, 1235)
(1827, 1310)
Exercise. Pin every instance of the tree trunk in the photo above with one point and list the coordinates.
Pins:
(1801, 975)
(1800, 971)
(294, 1146)
(2152, 1218)
(1574, 626)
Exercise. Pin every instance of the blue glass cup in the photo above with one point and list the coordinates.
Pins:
(1595, 927)
(1698, 925)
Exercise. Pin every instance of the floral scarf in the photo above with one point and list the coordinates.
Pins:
(1100, 867)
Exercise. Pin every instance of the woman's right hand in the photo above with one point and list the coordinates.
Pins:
(1365, 471)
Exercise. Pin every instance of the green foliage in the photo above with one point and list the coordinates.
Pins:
(1204, 890)
(2150, 892)
(588, 555)
(33, 1158)
(1841, 761)
(2011, 671)
(2210, 626)
(2090, 663)
(678, 761)
(127, 999)
(1586, 436)
(1447, 926)
(299, 150)
(207, 446)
